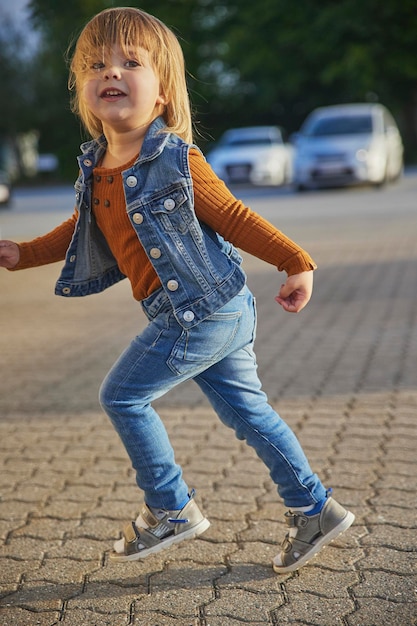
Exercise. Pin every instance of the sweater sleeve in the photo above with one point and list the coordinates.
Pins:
(48, 248)
(216, 206)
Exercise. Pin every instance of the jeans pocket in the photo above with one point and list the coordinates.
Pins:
(204, 344)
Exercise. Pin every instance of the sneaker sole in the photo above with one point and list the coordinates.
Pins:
(196, 530)
(321, 543)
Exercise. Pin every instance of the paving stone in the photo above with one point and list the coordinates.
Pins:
(251, 576)
(12, 570)
(387, 586)
(29, 547)
(247, 606)
(87, 617)
(38, 597)
(374, 612)
(80, 548)
(404, 483)
(187, 575)
(16, 511)
(390, 560)
(15, 616)
(396, 497)
(61, 571)
(201, 551)
(325, 583)
(27, 492)
(177, 602)
(391, 537)
(228, 531)
(314, 610)
(405, 518)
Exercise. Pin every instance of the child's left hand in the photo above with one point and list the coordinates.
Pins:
(296, 292)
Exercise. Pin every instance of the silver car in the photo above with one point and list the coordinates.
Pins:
(348, 144)
(254, 154)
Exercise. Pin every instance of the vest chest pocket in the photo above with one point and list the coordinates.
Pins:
(172, 211)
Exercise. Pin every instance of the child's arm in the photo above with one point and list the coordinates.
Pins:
(217, 207)
(42, 250)
(9, 254)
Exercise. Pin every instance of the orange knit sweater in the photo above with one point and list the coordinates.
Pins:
(214, 205)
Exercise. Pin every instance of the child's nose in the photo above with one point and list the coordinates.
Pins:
(112, 72)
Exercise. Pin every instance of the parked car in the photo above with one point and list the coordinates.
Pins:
(5, 189)
(348, 144)
(255, 154)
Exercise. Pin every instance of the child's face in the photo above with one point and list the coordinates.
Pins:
(123, 90)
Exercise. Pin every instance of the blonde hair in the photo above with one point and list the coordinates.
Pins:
(132, 28)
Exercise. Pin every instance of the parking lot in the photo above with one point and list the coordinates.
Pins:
(343, 373)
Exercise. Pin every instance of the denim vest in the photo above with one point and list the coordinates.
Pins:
(199, 271)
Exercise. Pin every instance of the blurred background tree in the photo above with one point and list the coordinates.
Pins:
(18, 98)
(265, 62)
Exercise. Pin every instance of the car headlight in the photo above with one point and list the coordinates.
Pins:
(362, 154)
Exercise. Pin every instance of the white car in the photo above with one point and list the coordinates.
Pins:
(5, 189)
(254, 154)
(347, 144)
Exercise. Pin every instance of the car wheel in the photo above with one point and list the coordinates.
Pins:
(398, 174)
(5, 204)
(383, 181)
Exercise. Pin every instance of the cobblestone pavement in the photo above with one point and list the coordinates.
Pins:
(343, 373)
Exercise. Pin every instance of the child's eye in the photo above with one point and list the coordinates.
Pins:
(132, 63)
(97, 66)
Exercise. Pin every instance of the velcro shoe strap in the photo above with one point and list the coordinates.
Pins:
(130, 532)
(148, 517)
(291, 544)
(296, 520)
(133, 538)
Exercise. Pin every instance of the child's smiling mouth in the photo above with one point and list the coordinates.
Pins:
(111, 94)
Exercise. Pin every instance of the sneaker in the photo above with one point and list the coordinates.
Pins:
(310, 533)
(152, 533)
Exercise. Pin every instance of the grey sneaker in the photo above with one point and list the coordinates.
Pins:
(158, 533)
(309, 534)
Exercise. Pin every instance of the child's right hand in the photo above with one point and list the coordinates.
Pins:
(9, 254)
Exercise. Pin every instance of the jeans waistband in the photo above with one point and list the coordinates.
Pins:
(156, 303)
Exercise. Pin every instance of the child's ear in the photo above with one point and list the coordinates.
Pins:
(161, 99)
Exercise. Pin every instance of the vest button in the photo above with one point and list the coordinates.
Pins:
(88, 162)
(172, 285)
(138, 218)
(169, 204)
(188, 316)
(131, 181)
(66, 290)
(155, 253)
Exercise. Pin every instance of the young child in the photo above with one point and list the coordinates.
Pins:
(149, 208)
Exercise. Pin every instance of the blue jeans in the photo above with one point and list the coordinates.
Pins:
(217, 354)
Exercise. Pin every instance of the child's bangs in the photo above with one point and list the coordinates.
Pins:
(127, 30)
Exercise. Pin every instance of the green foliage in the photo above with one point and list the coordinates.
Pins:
(17, 82)
(270, 61)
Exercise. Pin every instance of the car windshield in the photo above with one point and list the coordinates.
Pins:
(246, 141)
(342, 125)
